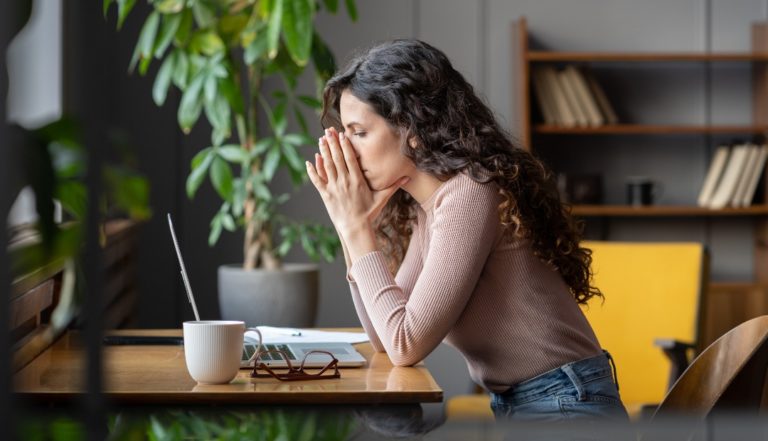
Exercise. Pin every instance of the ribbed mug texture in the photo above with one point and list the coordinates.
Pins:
(212, 350)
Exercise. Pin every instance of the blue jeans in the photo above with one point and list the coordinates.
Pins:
(581, 390)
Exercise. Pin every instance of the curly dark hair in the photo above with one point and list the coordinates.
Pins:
(415, 88)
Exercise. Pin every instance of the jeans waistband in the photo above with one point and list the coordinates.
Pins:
(569, 375)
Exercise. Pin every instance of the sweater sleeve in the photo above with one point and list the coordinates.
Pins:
(463, 233)
(363, 316)
(406, 278)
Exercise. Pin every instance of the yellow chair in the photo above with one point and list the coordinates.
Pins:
(653, 294)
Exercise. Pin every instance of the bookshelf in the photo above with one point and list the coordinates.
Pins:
(532, 131)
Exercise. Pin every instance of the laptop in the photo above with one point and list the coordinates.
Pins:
(344, 352)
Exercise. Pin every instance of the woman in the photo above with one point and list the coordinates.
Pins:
(419, 180)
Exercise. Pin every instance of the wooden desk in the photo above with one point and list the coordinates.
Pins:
(158, 375)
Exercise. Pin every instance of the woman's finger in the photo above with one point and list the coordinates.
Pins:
(350, 157)
(314, 177)
(320, 168)
(325, 153)
(336, 154)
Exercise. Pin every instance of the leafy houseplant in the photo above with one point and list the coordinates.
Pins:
(217, 53)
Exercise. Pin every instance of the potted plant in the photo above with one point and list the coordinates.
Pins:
(217, 53)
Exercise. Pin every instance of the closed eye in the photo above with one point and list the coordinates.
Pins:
(359, 134)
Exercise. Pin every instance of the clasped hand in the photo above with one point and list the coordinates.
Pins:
(336, 174)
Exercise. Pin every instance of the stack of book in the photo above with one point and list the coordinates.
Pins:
(571, 97)
(733, 176)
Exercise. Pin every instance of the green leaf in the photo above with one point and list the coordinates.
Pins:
(169, 6)
(204, 16)
(279, 121)
(148, 33)
(300, 119)
(294, 160)
(232, 93)
(309, 428)
(219, 135)
(105, 6)
(167, 31)
(73, 196)
(185, 28)
(322, 58)
(191, 104)
(310, 101)
(232, 26)
(210, 88)
(233, 153)
(206, 42)
(261, 190)
(308, 246)
(284, 248)
(351, 9)
(262, 146)
(218, 114)
(297, 29)
(273, 28)
(124, 8)
(271, 162)
(213, 237)
(144, 65)
(228, 222)
(200, 156)
(326, 249)
(238, 196)
(197, 175)
(256, 48)
(331, 5)
(163, 80)
(221, 177)
(181, 69)
(297, 140)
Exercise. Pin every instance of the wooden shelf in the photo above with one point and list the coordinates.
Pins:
(665, 210)
(551, 56)
(648, 129)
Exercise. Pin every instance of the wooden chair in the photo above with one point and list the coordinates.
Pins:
(729, 375)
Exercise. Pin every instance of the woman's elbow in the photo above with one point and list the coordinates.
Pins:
(403, 360)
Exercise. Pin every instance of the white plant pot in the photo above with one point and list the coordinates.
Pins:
(284, 297)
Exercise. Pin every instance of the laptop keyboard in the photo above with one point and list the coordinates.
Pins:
(248, 351)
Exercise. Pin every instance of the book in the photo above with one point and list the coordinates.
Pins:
(730, 179)
(715, 172)
(741, 184)
(602, 100)
(544, 98)
(594, 117)
(755, 172)
(561, 104)
(573, 100)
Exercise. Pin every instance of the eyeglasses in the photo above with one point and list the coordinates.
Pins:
(292, 373)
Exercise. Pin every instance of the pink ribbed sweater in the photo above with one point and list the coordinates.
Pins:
(511, 316)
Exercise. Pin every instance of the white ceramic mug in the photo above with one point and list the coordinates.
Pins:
(213, 349)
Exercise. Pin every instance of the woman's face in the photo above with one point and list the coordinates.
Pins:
(376, 144)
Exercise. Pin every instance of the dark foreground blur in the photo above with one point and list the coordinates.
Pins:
(362, 423)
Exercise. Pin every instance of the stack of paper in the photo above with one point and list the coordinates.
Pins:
(294, 335)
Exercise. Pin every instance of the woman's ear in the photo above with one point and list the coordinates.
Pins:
(413, 142)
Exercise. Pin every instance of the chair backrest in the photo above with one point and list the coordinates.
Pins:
(730, 374)
(652, 290)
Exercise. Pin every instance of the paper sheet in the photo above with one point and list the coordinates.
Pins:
(295, 335)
